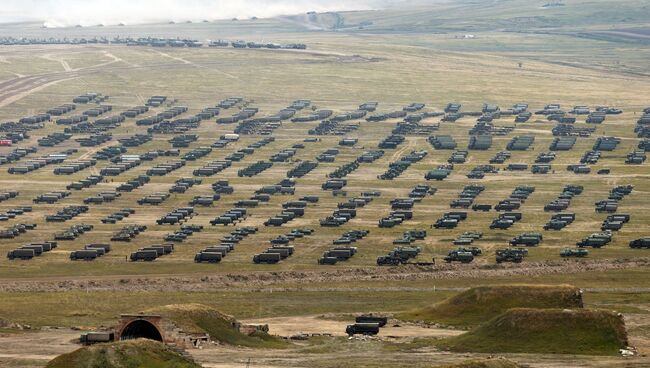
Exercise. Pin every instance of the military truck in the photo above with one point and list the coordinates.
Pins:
(23, 254)
(640, 243)
(596, 240)
(407, 252)
(266, 258)
(86, 254)
(509, 255)
(206, 256)
(327, 260)
(389, 260)
(282, 252)
(476, 251)
(369, 318)
(89, 338)
(458, 256)
(527, 239)
(362, 329)
(568, 252)
(144, 255)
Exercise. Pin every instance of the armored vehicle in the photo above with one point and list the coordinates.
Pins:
(457, 256)
(640, 243)
(509, 255)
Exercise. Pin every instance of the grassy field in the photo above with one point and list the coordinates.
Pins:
(319, 75)
(538, 61)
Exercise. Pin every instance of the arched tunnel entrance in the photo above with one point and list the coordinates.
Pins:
(140, 329)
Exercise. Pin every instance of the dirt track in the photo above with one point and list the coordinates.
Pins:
(260, 279)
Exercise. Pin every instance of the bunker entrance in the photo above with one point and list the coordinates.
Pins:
(141, 329)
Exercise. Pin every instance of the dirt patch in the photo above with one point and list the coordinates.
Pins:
(289, 326)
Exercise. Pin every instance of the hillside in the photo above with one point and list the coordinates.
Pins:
(480, 304)
(198, 318)
(481, 16)
(549, 331)
(123, 354)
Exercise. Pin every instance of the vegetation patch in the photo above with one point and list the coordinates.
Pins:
(545, 331)
(139, 353)
(200, 318)
(480, 304)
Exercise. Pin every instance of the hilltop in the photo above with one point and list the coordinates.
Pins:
(123, 354)
(480, 304)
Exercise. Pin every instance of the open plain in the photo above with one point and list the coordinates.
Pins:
(394, 57)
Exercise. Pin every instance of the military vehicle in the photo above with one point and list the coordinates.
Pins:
(327, 260)
(266, 258)
(509, 255)
(362, 329)
(89, 338)
(369, 318)
(527, 239)
(474, 250)
(389, 260)
(210, 257)
(568, 252)
(407, 252)
(640, 243)
(458, 256)
(86, 254)
(21, 254)
(596, 240)
(144, 255)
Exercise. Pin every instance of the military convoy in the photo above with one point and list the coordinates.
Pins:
(405, 250)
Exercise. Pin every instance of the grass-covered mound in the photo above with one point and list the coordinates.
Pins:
(481, 304)
(545, 331)
(140, 353)
(200, 318)
(487, 363)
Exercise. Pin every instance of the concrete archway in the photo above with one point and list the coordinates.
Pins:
(140, 329)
